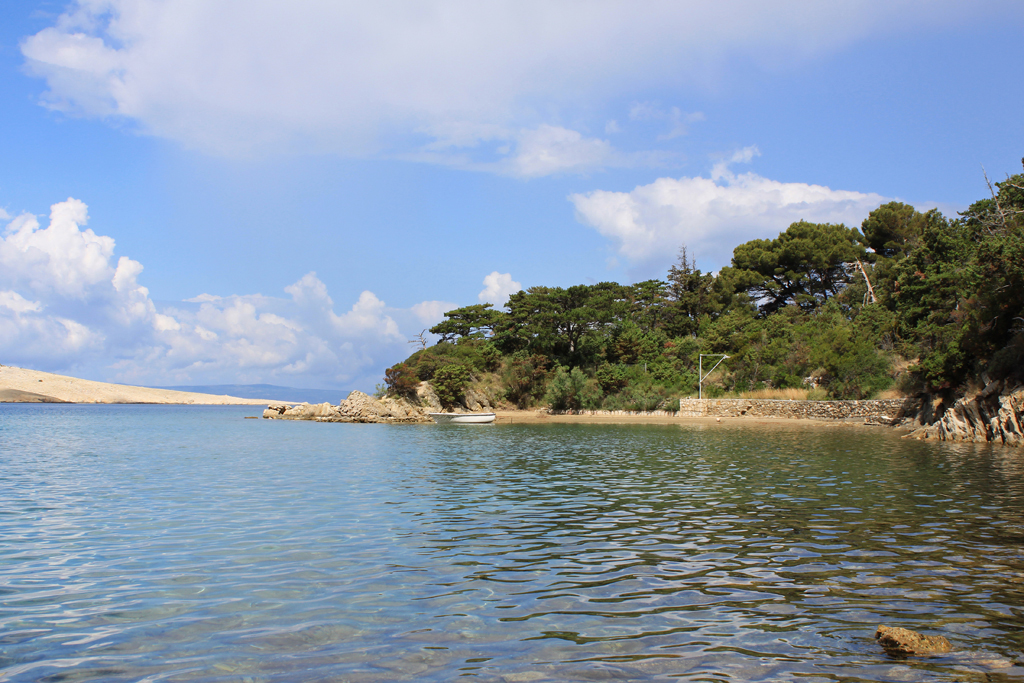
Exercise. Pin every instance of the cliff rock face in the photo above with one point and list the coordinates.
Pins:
(427, 397)
(995, 414)
(358, 407)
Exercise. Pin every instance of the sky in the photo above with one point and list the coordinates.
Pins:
(218, 191)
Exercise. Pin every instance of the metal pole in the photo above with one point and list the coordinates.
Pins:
(700, 371)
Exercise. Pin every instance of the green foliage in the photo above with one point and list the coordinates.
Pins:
(948, 304)
(450, 382)
(566, 325)
(469, 322)
(893, 230)
(524, 378)
(476, 354)
(401, 379)
(691, 297)
(572, 390)
(805, 265)
(611, 378)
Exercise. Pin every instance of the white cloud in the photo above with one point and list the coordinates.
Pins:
(430, 313)
(530, 152)
(552, 149)
(677, 120)
(362, 78)
(498, 287)
(17, 303)
(712, 215)
(65, 304)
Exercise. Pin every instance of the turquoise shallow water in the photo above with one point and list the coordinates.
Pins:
(149, 543)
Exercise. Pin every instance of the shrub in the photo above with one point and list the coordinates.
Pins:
(612, 378)
(572, 391)
(401, 379)
(524, 377)
(450, 382)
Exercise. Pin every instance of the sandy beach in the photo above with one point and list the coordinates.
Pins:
(536, 417)
(18, 385)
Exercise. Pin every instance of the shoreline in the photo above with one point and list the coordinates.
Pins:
(538, 417)
(19, 385)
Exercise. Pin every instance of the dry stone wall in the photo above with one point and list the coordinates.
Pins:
(885, 411)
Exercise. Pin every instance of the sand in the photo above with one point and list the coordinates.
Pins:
(18, 385)
(745, 422)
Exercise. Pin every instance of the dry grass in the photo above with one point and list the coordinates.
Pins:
(891, 393)
(783, 394)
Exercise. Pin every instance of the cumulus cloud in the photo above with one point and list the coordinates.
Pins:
(498, 287)
(65, 303)
(432, 312)
(712, 215)
(363, 78)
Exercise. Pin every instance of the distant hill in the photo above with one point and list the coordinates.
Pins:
(269, 391)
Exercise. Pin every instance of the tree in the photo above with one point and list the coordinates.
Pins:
(894, 229)
(401, 379)
(648, 304)
(806, 265)
(563, 324)
(471, 322)
(690, 296)
(450, 383)
(572, 390)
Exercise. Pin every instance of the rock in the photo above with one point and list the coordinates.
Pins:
(427, 397)
(358, 407)
(991, 415)
(473, 401)
(902, 642)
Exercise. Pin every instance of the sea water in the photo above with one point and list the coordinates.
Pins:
(179, 543)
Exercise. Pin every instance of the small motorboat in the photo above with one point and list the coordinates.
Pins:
(462, 418)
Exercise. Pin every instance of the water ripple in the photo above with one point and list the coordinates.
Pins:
(146, 543)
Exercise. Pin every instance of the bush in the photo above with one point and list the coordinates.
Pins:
(450, 383)
(612, 378)
(475, 354)
(524, 378)
(401, 379)
(572, 391)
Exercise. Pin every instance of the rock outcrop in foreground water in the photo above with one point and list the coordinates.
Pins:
(995, 414)
(358, 407)
(902, 642)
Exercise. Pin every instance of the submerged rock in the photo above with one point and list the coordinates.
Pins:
(358, 407)
(902, 642)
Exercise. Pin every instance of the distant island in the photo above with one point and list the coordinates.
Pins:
(20, 385)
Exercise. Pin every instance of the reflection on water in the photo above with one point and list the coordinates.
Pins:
(186, 544)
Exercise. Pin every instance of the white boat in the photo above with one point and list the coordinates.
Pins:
(462, 418)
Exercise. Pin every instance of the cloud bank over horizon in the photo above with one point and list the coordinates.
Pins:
(516, 87)
(710, 216)
(65, 303)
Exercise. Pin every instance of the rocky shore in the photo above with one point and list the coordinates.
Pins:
(993, 415)
(360, 407)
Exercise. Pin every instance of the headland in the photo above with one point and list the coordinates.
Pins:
(20, 385)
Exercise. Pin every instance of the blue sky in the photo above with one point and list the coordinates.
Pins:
(288, 192)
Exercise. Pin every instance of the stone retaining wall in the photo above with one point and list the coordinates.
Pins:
(887, 409)
(641, 413)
